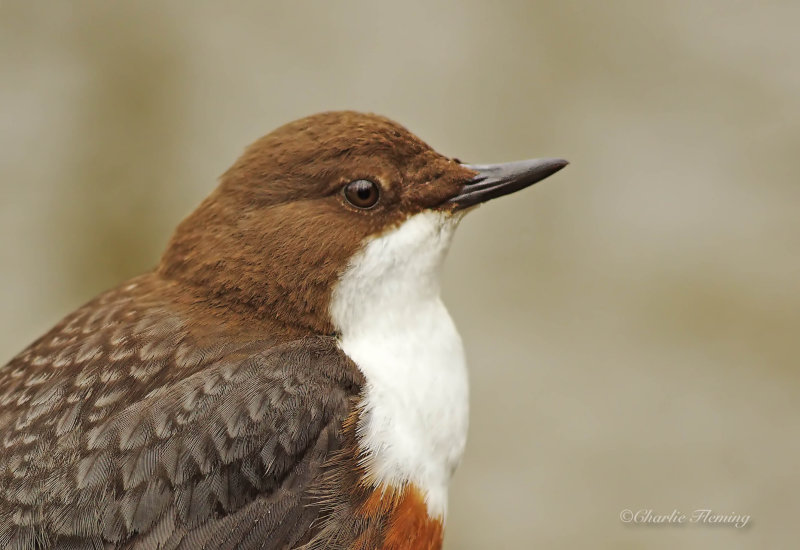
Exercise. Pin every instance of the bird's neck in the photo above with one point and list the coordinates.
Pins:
(257, 277)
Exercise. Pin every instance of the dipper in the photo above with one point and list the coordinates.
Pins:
(287, 377)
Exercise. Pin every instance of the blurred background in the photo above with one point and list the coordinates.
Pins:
(631, 324)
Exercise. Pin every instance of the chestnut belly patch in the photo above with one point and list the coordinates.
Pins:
(407, 525)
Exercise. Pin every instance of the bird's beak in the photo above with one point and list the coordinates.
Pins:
(496, 180)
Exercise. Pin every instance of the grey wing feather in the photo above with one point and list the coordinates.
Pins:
(218, 459)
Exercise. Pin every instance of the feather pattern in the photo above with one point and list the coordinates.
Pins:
(119, 429)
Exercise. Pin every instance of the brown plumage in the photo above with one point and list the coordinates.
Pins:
(282, 266)
(207, 404)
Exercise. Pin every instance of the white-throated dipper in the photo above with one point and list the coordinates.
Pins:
(287, 377)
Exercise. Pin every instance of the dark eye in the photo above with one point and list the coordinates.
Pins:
(362, 193)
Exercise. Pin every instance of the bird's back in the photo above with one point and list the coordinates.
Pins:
(146, 420)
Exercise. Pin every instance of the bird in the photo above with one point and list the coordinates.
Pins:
(287, 377)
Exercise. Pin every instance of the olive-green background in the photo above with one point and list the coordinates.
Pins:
(631, 324)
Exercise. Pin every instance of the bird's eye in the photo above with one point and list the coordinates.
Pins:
(362, 193)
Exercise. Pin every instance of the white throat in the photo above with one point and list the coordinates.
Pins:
(394, 326)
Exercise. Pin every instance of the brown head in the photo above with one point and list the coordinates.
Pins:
(275, 236)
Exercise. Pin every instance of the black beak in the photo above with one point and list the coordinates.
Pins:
(496, 180)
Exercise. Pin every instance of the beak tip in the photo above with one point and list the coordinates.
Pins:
(558, 164)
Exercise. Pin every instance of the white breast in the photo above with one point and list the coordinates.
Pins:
(394, 326)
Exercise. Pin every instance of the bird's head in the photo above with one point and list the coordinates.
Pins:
(339, 203)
